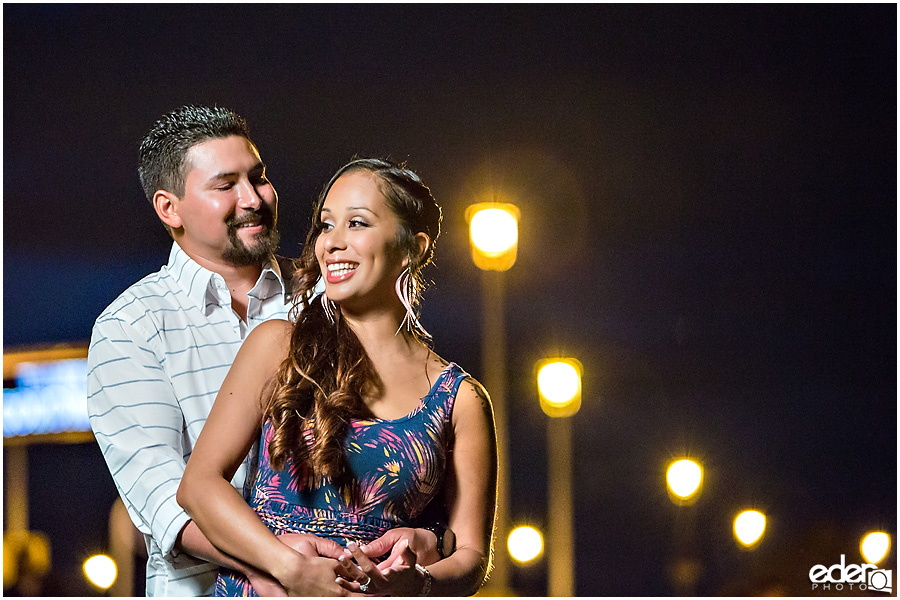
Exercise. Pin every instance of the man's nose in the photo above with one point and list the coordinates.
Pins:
(248, 198)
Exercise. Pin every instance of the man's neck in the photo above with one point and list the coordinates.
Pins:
(239, 279)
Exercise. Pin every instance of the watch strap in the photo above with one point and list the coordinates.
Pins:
(439, 531)
(426, 587)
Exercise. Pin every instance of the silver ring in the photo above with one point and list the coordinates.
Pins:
(364, 587)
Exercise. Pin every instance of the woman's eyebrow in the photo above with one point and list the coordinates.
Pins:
(362, 208)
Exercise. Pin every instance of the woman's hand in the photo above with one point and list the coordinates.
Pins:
(421, 541)
(399, 579)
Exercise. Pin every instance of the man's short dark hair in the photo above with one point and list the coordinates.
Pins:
(164, 147)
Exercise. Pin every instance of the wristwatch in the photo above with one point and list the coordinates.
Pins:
(446, 539)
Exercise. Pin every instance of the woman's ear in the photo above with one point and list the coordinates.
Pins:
(166, 206)
(422, 244)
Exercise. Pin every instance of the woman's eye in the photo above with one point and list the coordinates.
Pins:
(358, 223)
(325, 226)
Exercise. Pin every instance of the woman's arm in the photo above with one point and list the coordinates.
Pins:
(471, 498)
(206, 492)
(472, 494)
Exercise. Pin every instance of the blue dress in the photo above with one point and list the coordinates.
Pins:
(397, 468)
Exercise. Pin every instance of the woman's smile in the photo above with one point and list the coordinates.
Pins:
(340, 271)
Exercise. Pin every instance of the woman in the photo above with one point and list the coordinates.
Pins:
(360, 424)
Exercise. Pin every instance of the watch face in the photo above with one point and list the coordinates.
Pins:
(448, 543)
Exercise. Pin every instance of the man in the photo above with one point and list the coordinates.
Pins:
(160, 351)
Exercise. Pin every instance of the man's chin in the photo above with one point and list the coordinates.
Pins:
(242, 255)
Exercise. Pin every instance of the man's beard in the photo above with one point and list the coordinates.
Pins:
(266, 242)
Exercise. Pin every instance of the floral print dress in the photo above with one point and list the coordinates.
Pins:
(397, 468)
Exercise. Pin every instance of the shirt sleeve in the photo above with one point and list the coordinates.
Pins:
(139, 426)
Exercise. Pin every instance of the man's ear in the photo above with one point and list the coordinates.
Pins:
(166, 206)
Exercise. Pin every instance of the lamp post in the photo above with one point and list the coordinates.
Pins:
(559, 386)
(494, 235)
(684, 480)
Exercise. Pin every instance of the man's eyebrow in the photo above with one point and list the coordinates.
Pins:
(257, 168)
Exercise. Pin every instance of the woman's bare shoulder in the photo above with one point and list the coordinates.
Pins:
(474, 391)
(273, 327)
(472, 397)
(272, 337)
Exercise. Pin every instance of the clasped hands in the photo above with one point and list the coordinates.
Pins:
(336, 571)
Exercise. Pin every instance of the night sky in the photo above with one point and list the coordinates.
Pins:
(709, 218)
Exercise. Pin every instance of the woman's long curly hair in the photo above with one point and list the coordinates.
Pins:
(322, 382)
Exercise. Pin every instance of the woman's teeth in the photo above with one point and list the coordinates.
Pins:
(341, 269)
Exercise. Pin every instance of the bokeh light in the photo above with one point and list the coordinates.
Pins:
(100, 570)
(558, 382)
(749, 527)
(525, 543)
(494, 230)
(874, 546)
(684, 477)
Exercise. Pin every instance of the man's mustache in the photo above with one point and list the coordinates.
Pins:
(262, 216)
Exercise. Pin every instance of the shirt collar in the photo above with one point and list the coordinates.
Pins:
(200, 284)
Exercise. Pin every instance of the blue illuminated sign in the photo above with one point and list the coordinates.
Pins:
(50, 397)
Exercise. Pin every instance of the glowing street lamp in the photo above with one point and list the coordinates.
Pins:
(749, 527)
(100, 570)
(684, 478)
(559, 387)
(494, 236)
(875, 546)
(559, 384)
(525, 544)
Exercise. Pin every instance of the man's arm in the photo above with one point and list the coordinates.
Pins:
(138, 424)
(192, 541)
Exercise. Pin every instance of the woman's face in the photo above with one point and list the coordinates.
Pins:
(357, 246)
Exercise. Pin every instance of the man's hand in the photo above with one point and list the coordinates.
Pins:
(311, 576)
(421, 541)
(309, 544)
(265, 585)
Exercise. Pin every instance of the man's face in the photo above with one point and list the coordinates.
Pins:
(229, 209)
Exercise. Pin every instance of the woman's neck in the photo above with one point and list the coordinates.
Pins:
(377, 332)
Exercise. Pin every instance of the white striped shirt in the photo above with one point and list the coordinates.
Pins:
(157, 358)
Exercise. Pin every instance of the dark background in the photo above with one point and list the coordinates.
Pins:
(708, 199)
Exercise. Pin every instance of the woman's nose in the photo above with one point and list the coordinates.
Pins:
(335, 240)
